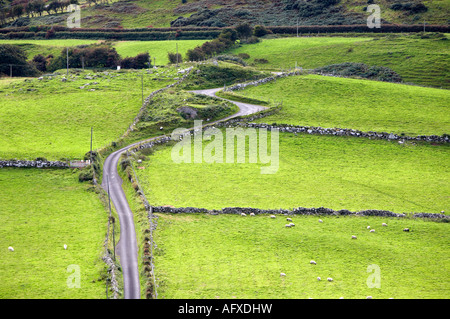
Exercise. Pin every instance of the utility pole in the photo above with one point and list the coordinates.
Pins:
(67, 53)
(142, 85)
(82, 62)
(177, 55)
(10, 70)
(423, 26)
(92, 129)
(297, 27)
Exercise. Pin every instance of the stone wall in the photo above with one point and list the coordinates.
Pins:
(321, 211)
(33, 164)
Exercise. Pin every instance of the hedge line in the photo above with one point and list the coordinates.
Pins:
(385, 28)
(57, 28)
(186, 35)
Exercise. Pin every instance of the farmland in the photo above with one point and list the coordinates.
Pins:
(330, 102)
(229, 256)
(419, 61)
(41, 211)
(52, 119)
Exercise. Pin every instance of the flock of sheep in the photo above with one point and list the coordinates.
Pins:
(312, 262)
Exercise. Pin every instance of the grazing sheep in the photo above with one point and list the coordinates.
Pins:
(406, 229)
(353, 237)
(369, 297)
(330, 279)
(65, 246)
(243, 214)
(282, 274)
(313, 262)
(384, 224)
(341, 298)
(10, 248)
(319, 279)
(368, 227)
(292, 224)
(252, 214)
(372, 230)
(273, 216)
(320, 221)
(288, 225)
(288, 219)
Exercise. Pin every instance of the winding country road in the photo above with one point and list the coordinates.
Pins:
(127, 248)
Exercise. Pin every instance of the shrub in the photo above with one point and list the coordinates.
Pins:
(231, 58)
(362, 70)
(244, 56)
(12, 54)
(260, 31)
(174, 58)
(261, 61)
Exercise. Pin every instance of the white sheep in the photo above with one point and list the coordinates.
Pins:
(384, 224)
(273, 216)
(292, 224)
(372, 230)
(330, 279)
(406, 229)
(243, 214)
(319, 279)
(353, 237)
(65, 246)
(288, 219)
(312, 262)
(320, 221)
(288, 225)
(369, 297)
(252, 214)
(368, 227)
(282, 274)
(10, 248)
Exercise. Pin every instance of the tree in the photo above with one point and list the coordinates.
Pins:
(15, 56)
(174, 58)
(244, 31)
(40, 62)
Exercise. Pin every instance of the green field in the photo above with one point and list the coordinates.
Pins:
(46, 47)
(156, 49)
(420, 61)
(229, 256)
(314, 100)
(54, 121)
(41, 210)
(314, 171)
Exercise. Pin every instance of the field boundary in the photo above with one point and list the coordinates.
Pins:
(321, 211)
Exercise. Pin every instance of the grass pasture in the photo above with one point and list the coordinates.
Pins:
(314, 100)
(229, 256)
(420, 61)
(314, 171)
(52, 119)
(41, 210)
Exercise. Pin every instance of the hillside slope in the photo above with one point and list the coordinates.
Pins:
(221, 13)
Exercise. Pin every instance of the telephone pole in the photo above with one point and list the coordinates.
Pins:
(177, 55)
(297, 27)
(10, 70)
(67, 54)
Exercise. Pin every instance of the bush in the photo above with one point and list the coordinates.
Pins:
(174, 58)
(244, 56)
(261, 61)
(12, 54)
(362, 70)
(260, 31)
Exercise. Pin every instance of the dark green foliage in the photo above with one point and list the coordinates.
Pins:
(362, 70)
(174, 58)
(141, 61)
(232, 59)
(15, 56)
(95, 56)
(40, 62)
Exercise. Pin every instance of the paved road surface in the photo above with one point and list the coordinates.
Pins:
(127, 248)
